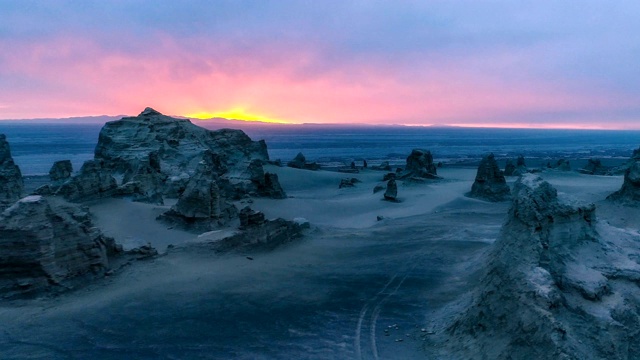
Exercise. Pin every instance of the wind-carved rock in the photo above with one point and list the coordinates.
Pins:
(143, 182)
(594, 167)
(61, 171)
(629, 193)
(178, 143)
(551, 288)
(420, 165)
(391, 194)
(263, 183)
(94, 181)
(11, 184)
(509, 168)
(202, 205)
(47, 244)
(300, 162)
(490, 183)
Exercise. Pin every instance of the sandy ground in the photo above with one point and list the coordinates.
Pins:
(353, 288)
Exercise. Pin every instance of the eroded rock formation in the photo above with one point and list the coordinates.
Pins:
(94, 181)
(178, 143)
(47, 243)
(594, 167)
(11, 184)
(61, 171)
(629, 193)
(391, 193)
(202, 205)
(420, 165)
(552, 289)
(561, 164)
(300, 162)
(490, 183)
(144, 181)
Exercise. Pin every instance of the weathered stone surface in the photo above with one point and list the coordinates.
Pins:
(389, 176)
(144, 181)
(250, 218)
(594, 167)
(46, 243)
(300, 162)
(262, 183)
(202, 205)
(549, 289)
(391, 194)
(178, 143)
(420, 164)
(561, 164)
(11, 184)
(490, 183)
(264, 236)
(629, 193)
(61, 171)
(94, 181)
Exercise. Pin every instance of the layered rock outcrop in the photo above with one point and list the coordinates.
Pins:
(94, 181)
(551, 289)
(178, 143)
(61, 171)
(629, 193)
(11, 184)
(202, 205)
(46, 244)
(144, 181)
(490, 183)
(420, 165)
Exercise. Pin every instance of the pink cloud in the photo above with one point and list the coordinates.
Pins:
(75, 76)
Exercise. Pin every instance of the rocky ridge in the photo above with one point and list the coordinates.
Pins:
(551, 289)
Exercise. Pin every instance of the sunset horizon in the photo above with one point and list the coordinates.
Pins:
(420, 63)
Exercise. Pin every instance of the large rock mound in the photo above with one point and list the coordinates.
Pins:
(46, 244)
(552, 289)
(490, 183)
(11, 184)
(629, 193)
(178, 143)
(202, 206)
(420, 165)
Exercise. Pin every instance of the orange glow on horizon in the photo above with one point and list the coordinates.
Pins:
(236, 114)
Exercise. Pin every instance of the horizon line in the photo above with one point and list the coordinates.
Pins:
(513, 126)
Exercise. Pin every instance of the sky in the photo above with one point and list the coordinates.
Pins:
(573, 63)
